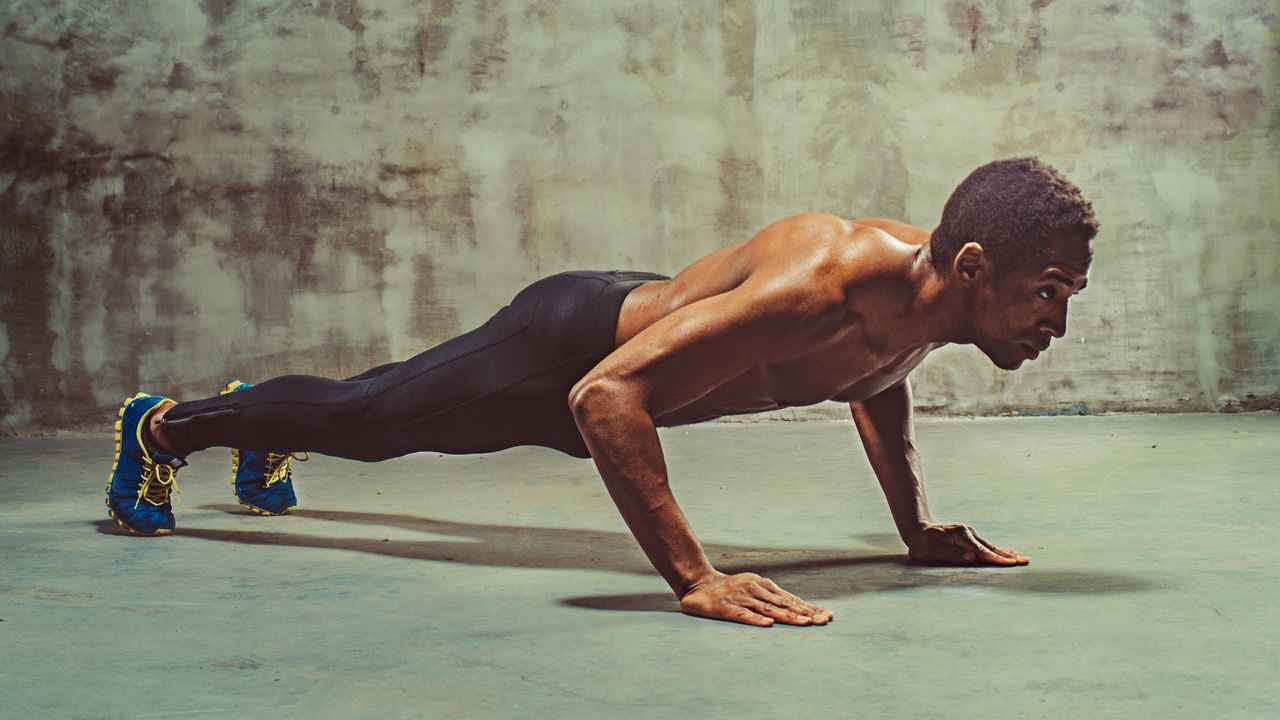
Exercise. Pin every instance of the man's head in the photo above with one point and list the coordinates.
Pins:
(1015, 235)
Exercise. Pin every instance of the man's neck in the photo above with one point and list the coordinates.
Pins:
(940, 309)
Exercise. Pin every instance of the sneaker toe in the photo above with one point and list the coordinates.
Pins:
(145, 519)
(278, 499)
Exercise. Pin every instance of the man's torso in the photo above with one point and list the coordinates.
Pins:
(864, 260)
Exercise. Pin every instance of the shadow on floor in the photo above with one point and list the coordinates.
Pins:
(807, 572)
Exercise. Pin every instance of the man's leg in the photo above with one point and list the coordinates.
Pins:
(509, 384)
(284, 414)
(375, 372)
(500, 385)
(263, 481)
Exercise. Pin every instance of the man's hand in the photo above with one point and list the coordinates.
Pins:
(750, 599)
(958, 545)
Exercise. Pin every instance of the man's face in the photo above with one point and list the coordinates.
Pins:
(1020, 310)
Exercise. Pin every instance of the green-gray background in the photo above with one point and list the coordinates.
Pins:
(191, 191)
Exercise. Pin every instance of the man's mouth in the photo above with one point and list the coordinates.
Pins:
(1032, 353)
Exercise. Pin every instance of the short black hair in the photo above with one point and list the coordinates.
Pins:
(1013, 208)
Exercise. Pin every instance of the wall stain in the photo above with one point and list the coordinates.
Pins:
(454, 218)
(25, 150)
(220, 116)
(86, 67)
(26, 298)
(103, 79)
(911, 30)
(1196, 91)
(336, 356)
(1030, 51)
(1215, 55)
(64, 41)
(217, 10)
(488, 50)
(431, 319)
(742, 182)
(348, 13)
(82, 158)
(738, 48)
(966, 19)
(180, 78)
(370, 82)
(1176, 28)
(142, 221)
(440, 200)
(522, 205)
(393, 170)
(148, 195)
(431, 37)
(288, 217)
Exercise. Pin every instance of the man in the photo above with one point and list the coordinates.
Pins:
(813, 308)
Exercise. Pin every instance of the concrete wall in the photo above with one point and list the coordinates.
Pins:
(191, 191)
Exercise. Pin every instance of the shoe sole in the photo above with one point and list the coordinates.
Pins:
(111, 476)
(265, 513)
(132, 531)
(235, 469)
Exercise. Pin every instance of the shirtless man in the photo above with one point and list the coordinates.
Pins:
(813, 308)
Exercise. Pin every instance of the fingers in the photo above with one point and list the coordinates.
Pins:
(960, 545)
(1017, 557)
(787, 608)
(724, 609)
(747, 610)
(781, 614)
(980, 551)
(786, 600)
(744, 615)
(984, 552)
(752, 600)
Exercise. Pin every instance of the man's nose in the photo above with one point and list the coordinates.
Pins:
(1055, 326)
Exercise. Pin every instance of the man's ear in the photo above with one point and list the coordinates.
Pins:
(971, 263)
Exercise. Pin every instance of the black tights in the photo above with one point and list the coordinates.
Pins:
(503, 384)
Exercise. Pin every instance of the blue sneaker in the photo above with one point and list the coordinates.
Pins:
(262, 480)
(141, 479)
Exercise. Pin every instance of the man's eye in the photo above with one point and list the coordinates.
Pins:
(1047, 293)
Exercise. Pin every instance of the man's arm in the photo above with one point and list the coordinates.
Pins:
(666, 366)
(888, 436)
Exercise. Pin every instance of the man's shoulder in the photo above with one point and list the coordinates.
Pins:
(818, 260)
(828, 224)
(821, 234)
(809, 226)
(896, 229)
(826, 249)
(807, 260)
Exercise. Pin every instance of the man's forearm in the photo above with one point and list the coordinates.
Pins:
(623, 441)
(888, 436)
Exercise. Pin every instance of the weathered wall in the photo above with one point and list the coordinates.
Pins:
(191, 191)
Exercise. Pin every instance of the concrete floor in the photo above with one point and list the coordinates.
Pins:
(506, 586)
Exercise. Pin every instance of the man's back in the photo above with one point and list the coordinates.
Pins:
(816, 323)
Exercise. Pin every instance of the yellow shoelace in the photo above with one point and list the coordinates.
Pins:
(157, 482)
(278, 466)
